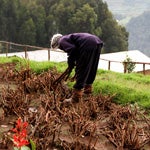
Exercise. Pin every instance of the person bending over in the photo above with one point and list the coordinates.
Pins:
(83, 50)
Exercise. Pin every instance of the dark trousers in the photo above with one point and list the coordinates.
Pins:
(86, 65)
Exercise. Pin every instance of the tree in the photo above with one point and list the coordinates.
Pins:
(8, 17)
(27, 33)
(90, 16)
(2, 20)
(128, 64)
(83, 20)
(43, 18)
(62, 11)
(114, 36)
(38, 16)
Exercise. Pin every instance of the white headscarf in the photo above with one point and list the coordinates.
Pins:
(55, 40)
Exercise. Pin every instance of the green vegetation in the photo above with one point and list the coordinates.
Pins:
(130, 88)
(129, 65)
(33, 22)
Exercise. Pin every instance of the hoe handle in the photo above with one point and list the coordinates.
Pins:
(65, 75)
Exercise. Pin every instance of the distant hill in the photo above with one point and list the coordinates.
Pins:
(124, 10)
(139, 29)
(128, 7)
(135, 16)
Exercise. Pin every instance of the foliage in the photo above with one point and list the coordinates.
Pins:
(130, 66)
(28, 30)
(84, 19)
(34, 22)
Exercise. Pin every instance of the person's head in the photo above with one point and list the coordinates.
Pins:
(54, 40)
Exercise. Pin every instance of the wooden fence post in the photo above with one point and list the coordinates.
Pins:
(143, 68)
(48, 54)
(25, 50)
(7, 47)
(108, 65)
(125, 66)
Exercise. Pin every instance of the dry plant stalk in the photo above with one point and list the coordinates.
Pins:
(123, 130)
(91, 118)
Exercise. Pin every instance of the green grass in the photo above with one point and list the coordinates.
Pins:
(10, 59)
(127, 88)
(39, 67)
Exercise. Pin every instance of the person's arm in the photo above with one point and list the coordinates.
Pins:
(71, 51)
(71, 59)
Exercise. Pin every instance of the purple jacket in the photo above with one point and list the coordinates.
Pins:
(72, 44)
(77, 41)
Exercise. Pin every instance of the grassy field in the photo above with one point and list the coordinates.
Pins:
(127, 88)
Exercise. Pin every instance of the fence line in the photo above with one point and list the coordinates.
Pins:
(25, 48)
(8, 45)
(126, 63)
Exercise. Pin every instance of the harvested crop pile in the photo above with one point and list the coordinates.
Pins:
(95, 123)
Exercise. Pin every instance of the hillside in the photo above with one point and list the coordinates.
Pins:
(128, 7)
(124, 10)
(134, 15)
(139, 37)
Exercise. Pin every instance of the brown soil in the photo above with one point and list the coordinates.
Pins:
(95, 123)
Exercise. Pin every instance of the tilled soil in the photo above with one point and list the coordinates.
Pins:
(95, 123)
